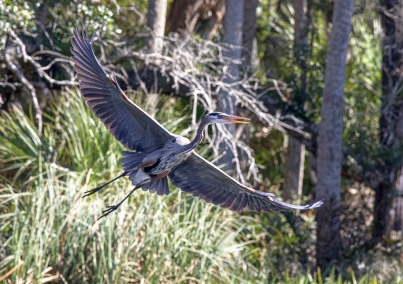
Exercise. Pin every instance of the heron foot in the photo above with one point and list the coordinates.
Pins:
(90, 192)
(109, 210)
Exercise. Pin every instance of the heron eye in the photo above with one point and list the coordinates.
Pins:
(215, 115)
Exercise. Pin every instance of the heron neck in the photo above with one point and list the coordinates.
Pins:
(198, 137)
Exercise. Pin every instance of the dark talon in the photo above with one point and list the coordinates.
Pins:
(90, 192)
(114, 207)
(109, 210)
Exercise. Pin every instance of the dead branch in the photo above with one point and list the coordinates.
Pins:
(13, 64)
(15, 52)
(38, 67)
(196, 69)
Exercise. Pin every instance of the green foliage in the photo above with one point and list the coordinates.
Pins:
(55, 234)
(275, 36)
(59, 18)
(14, 14)
(363, 90)
(50, 233)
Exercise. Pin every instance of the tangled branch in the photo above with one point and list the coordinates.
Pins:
(15, 52)
(196, 69)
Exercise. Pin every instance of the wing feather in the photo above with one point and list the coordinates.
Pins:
(243, 199)
(220, 198)
(202, 179)
(130, 125)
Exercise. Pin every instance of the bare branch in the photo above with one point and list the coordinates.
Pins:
(195, 69)
(39, 69)
(15, 67)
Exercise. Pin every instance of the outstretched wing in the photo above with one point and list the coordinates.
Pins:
(202, 179)
(130, 125)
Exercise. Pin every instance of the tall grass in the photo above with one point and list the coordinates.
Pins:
(48, 233)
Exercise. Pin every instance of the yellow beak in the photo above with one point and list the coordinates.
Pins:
(236, 119)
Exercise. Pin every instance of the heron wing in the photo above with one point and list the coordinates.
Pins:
(202, 179)
(130, 125)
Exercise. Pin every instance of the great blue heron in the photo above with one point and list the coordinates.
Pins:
(156, 153)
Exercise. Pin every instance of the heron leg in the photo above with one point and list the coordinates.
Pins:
(92, 191)
(112, 208)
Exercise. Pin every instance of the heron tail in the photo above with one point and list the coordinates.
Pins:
(160, 186)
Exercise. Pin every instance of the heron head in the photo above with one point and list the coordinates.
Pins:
(223, 118)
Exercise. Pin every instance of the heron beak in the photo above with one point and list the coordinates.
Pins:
(236, 119)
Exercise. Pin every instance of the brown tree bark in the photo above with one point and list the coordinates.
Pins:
(186, 15)
(232, 41)
(329, 159)
(183, 15)
(210, 28)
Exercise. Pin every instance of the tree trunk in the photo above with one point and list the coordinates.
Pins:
(294, 165)
(397, 209)
(294, 169)
(201, 16)
(397, 206)
(232, 41)
(301, 27)
(210, 28)
(183, 15)
(156, 17)
(391, 121)
(249, 34)
(249, 58)
(330, 138)
(397, 219)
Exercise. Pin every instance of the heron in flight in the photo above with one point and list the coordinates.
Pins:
(156, 154)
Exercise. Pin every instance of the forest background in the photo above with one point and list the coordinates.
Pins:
(322, 82)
